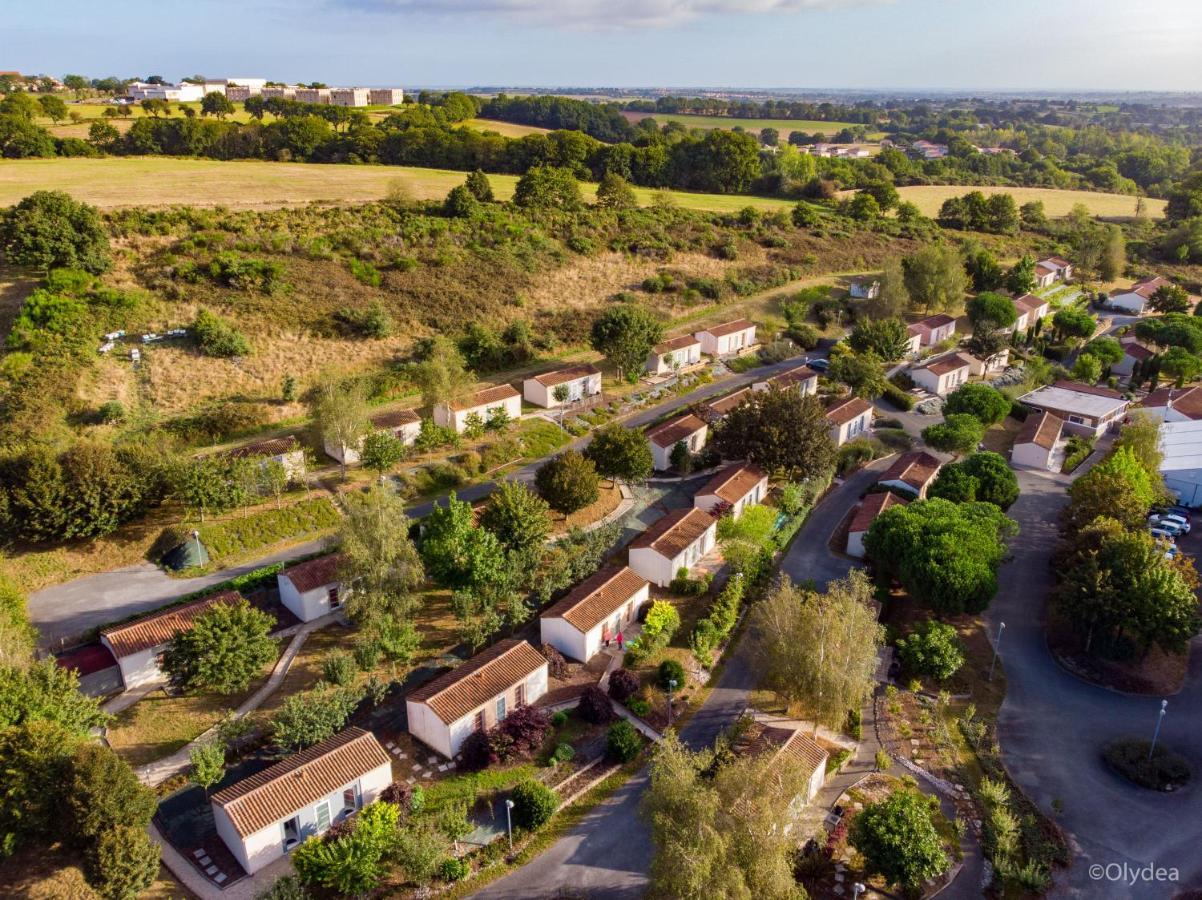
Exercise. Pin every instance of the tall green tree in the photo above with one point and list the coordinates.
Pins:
(548, 187)
(340, 412)
(456, 553)
(568, 482)
(863, 372)
(441, 373)
(626, 334)
(378, 561)
(886, 338)
(520, 519)
(223, 651)
(781, 432)
(45, 692)
(48, 229)
(621, 454)
(898, 839)
(957, 433)
(935, 278)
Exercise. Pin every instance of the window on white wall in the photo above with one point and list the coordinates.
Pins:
(500, 708)
(323, 815)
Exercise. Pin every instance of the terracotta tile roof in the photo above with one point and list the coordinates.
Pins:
(728, 327)
(733, 482)
(1042, 429)
(670, 433)
(729, 402)
(796, 375)
(916, 469)
(793, 742)
(1028, 303)
(1041, 269)
(486, 397)
(871, 507)
(563, 376)
(160, 627)
(1133, 348)
(314, 573)
(1056, 262)
(270, 447)
(674, 532)
(595, 599)
(1088, 389)
(677, 343)
(1186, 401)
(951, 363)
(395, 418)
(1146, 287)
(930, 323)
(472, 684)
(843, 411)
(301, 780)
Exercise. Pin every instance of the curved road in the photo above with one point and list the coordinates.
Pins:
(1052, 727)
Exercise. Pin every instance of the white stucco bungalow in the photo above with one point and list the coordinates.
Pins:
(1052, 269)
(790, 746)
(676, 541)
(1134, 300)
(311, 589)
(138, 645)
(727, 339)
(674, 354)
(687, 429)
(476, 695)
(594, 611)
(870, 507)
(991, 365)
(286, 451)
(849, 417)
(943, 375)
(933, 329)
(1134, 351)
(802, 377)
(1173, 404)
(912, 472)
(581, 381)
(403, 424)
(1039, 443)
(265, 816)
(734, 488)
(1085, 408)
(1028, 309)
(483, 403)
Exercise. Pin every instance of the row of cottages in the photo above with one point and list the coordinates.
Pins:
(582, 383)
(266, 816)
(484, 404)
(1173, 404)
(676, 541)
(870, 507)
(138, 646)
(674, 355)
(733, 489)
(849, 417)
(928, 332)
(286, 451)
(913, 473)
(594, 611)
(685, 429)
(403, 424)
(1085, 408)
(312, 589)
(1040, 443)
(1028, 309)
(1134, 300)
(476, 695)
(1052, 269)
(943, 374)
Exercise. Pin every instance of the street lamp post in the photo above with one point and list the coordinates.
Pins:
(1001, 629)
(1164, 705)
(671, 688)
(857, 889)
(196, 537)
(509, 821)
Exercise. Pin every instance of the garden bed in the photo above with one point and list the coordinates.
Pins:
(1158, 769)
(1156, 674)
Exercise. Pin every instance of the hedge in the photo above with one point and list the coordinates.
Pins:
(897, 397)
(241, 534)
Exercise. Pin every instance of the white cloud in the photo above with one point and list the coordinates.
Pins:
(607, 14)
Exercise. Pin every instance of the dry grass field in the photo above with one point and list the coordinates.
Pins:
(929, 198)
(508, 129)
(164, 181)
(784, 126)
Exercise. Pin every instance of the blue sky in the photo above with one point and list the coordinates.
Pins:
(903, 44)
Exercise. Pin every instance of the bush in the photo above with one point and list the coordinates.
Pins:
(776, 352)
(933, 649)
(533, 804)
(622, 684)
(622, 742)
(897, 397)
(367, 654)
(1165, 771)
(217, 337)
(661, 623)
(639, 707)
(595, 707)
(475, 752)
(123, 863)
(338, 668)
(670, 671)
(560, 719)
(308, 718)
(519, 734)
(563, 752)
(452, 869)
(568, 482)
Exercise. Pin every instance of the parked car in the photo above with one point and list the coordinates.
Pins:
(1184, 511)
(1170, 521)
(819, 365)
(1164, 535)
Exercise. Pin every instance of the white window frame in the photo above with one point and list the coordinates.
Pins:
(501, 711)
(317, 810)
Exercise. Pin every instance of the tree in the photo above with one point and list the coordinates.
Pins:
(1141, 438)
(53, 107)
(1021, 277)
(340, 413)
(933, 649)
(377, 560)
(621, 454)
(935, 278)
(225, 649)
(983, 477)
(1087, 369)
(441, 374)
(216, 104)
(568, 482)
(991, 312)
(352, 864)
(1169, 298)
(615, 192)
(49, 230)
(457, 554)
(957, 433)
(101, 793)
(208, 764)
(626, 334)
(817, 652)
(898, 839)
(310, 717)
(945, 554)
(1074, 324)
(887, 339)
(520, 519)
(781, 432)
(123, 863)
(864, 373)
(1180, 365)
(548, 187)
(1119, 487)
(382, 450)
(45, 692)
(894, 297)
(480, 186)
(863, 207)
(1105, 348)
(461, 203)
(987, 404)
(681, 458)
(983, 269)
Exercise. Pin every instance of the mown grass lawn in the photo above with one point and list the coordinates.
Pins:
(929, 197)
(784, 126)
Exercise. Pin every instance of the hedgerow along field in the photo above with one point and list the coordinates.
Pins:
(156, 181)
(784, 126)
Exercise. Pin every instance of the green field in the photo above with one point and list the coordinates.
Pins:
(929, 198)
(509, 129)
(784, 126)
(163, 181)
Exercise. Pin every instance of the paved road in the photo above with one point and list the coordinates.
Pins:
(65, 611)
(1052, 727)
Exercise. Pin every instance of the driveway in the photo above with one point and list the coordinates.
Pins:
(1052, 727)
